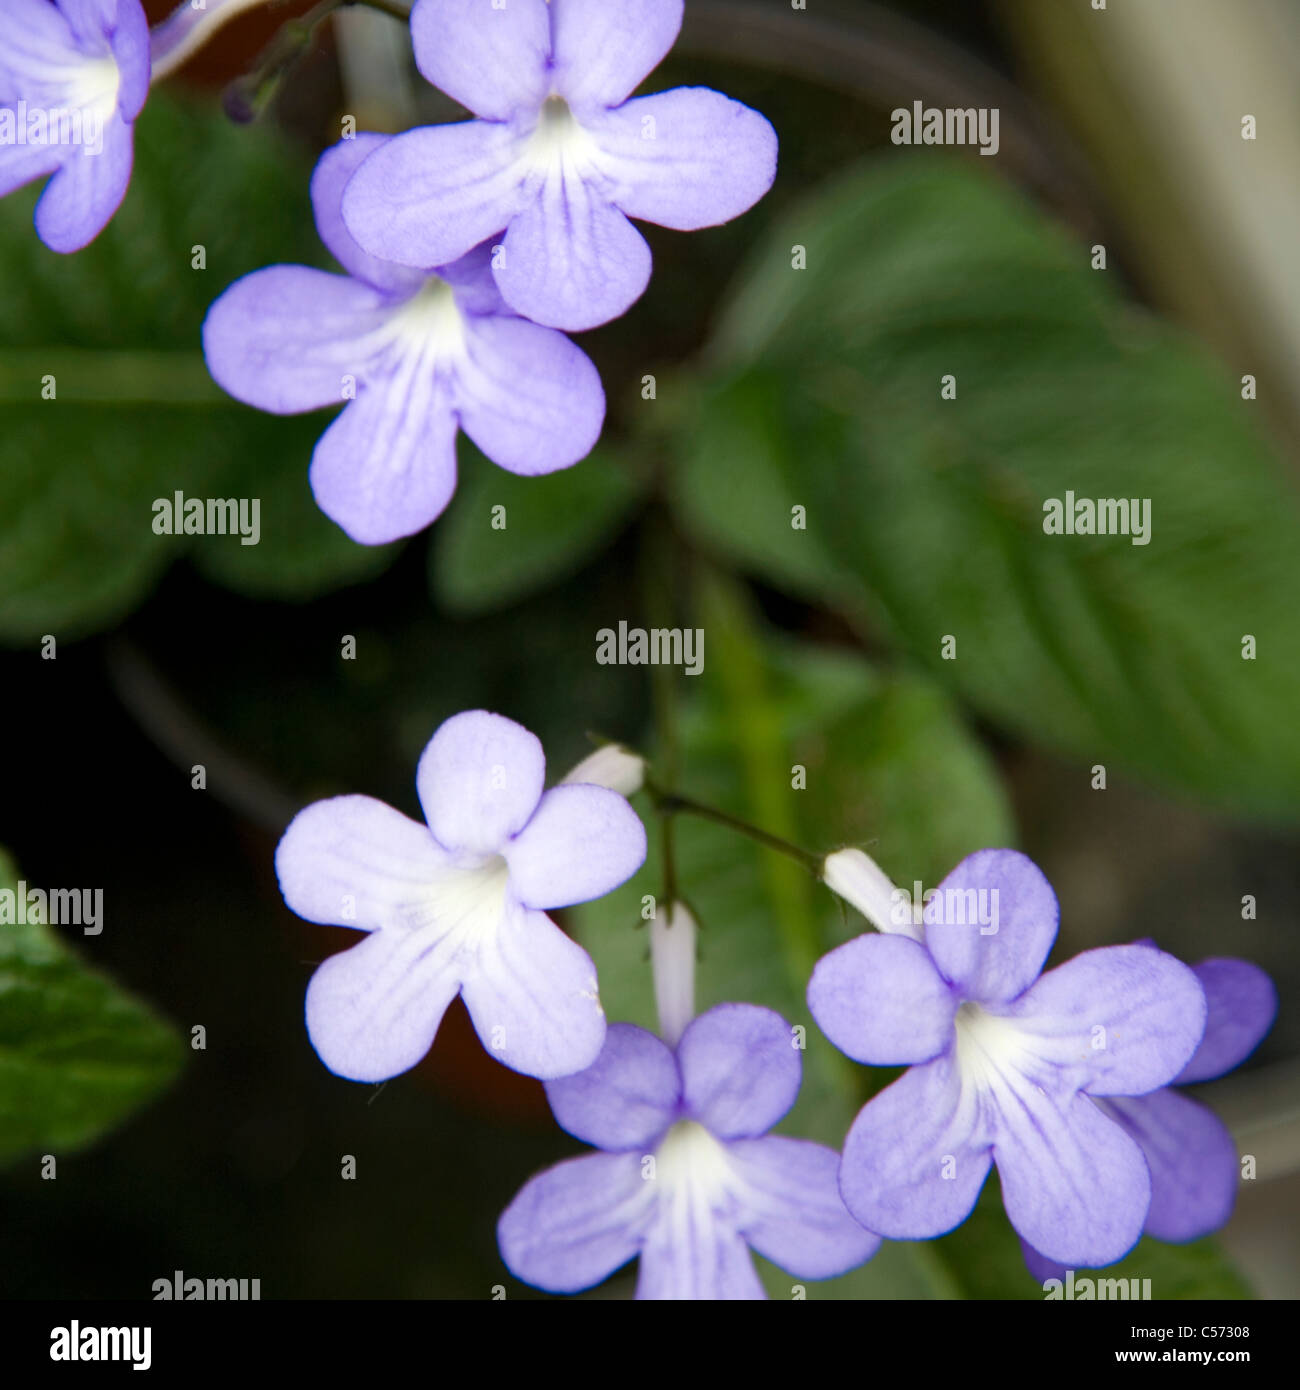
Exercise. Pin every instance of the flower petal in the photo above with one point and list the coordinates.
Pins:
(479, 780)
(992, 966)
(91, 20)
(794, 1214)
(1121, 1020)
(917, 1155)
(352, 861)
(38, 41)
(1074, 1184)
(532, 995)
(386, 467)
(1241, 1004)
(686, 159)
(1041, 1269)
(81, 198)
(572, 261)
(427, 197)
(493, 59)
(333, 172)
(529, 398)
(24, 164)
(740, 1070)
(285, 339)
(130, 43)
(580, 844)
(605, 49)
(575, 1224)
(373, 1010)
(626, 1099)
(1192, 1160)
(880, 1000)
(696, 1256)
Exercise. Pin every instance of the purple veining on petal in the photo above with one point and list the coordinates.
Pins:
(1191, 1156)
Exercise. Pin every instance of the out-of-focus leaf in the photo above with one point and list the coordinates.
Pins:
(77, 1055)
(113, 332)
(506, 536)
(926, 515)
(879, 753)
(301, 553)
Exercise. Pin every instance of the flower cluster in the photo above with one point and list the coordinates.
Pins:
(1060, 1080)
(469, 245)
(468, 251)
(466, 246)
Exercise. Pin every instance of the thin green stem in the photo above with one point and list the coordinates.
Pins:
(669, 804)
(656, 586)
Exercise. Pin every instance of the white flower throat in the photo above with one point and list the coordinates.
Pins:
(988, 1047)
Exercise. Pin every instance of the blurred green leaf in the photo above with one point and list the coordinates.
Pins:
(135, 416)
(880, 752)
(77, 1055)
(925, 516)
(302, 553)
(553, 524)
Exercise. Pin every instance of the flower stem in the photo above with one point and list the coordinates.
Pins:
(656, 585)
(669, 804)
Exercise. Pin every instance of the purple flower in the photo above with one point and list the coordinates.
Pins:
(417, 355)
(457, 906)
(74, 75)
(1004, 1065)
(559, 158)
(689, 1179)
(1190, 1154)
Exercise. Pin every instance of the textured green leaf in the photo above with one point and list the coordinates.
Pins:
(552, 525)
(77, 1055)
(925, 516)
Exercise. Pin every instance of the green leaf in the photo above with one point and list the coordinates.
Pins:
(301, 554)
(925, 516)
(552, 525)
(875, 748)
(77, 1055)
(114, 332)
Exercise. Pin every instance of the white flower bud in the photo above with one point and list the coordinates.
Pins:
(862, 883)
(611, 766)
(672, 956)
